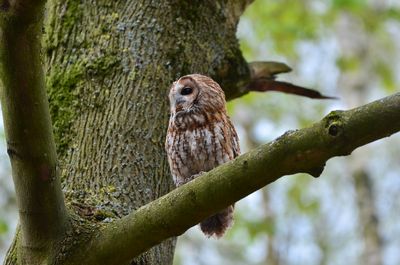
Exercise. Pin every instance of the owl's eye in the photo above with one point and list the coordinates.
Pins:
(186, 91)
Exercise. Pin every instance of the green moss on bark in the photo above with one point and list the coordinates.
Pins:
(71, 12)
(63, 91)
(64, 87)
(65, 81)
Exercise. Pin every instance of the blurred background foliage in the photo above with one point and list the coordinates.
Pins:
(350, 215)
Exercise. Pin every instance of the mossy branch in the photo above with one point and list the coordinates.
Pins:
(30, 142)
(305, 150)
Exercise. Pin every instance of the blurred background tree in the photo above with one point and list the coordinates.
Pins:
(350, 215)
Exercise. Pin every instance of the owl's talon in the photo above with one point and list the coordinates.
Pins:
(179, 183)
(184, 181)
(196, 175)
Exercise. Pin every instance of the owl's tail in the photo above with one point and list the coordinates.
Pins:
(218, 223)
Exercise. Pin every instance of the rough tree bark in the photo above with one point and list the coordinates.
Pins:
(109, 65)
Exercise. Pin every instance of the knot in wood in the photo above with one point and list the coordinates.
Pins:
(333, 129)
(334, 123)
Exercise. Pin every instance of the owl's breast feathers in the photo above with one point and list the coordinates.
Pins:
(199, 142)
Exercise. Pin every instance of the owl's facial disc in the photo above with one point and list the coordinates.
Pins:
(183, 94)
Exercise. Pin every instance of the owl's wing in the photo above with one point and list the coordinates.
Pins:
(234, 140)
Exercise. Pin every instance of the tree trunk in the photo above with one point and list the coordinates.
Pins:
(109, 65)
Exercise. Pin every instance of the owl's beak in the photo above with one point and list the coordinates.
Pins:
(179, 101)
(179, 104)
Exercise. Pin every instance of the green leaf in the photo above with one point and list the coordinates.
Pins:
(3, 227)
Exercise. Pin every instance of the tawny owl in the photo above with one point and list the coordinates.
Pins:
(200, 137)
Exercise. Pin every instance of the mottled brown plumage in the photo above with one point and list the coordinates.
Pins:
(200, 137)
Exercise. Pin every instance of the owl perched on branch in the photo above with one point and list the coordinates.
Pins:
(200, 137)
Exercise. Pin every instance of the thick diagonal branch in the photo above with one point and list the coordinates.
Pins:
(30, 142)
(304, 150)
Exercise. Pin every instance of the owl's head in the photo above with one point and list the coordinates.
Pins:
(196, 92)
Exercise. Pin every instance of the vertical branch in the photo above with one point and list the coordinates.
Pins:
(30, 142)
(368, 219)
